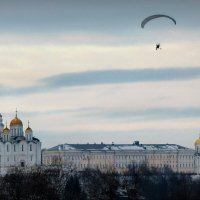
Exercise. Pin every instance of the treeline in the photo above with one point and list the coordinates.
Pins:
(137, 183)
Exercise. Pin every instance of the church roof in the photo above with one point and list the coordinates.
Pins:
(28, 130)
(197, 141)
(16, 121)
(18, 139)
(6, 130)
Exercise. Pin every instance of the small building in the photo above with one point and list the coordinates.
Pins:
(18, 148)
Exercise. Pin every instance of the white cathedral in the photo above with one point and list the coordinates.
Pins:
(18, 149)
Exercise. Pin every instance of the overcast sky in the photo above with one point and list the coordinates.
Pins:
(85, 71)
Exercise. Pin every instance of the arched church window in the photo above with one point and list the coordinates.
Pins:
(22, 147)
(30, 147)
(7, 148)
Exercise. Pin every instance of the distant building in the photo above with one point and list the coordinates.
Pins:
(119, 157)
(18, 149)
(197, 156)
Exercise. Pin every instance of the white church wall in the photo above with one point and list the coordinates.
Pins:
(16, 150)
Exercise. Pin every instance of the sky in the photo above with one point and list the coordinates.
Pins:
(86, 72)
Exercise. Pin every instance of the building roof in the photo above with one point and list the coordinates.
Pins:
(6, 130)
(115, 147)
(17, 139)
(28, 130)
(16, 121)
(197, 141)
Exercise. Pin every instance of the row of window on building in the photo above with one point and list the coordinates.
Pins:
(15, 159)
(125, 157)
(8, 148)
(125, 165)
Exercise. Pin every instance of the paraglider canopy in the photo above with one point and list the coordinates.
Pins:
(146, 20)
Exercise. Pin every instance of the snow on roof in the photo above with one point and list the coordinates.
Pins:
(68, 147)
(131, 147)
(150, 147)
(170, 147)
(115, 147)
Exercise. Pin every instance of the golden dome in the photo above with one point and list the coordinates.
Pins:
(6, 130)
(197, 141)
(16, 121)
(28, 130)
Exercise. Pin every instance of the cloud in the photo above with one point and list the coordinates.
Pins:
(92, 78)
(124, 114)
(150, 114)
(121, 76)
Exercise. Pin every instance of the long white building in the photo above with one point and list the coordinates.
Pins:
(18, 148)
(119, 157)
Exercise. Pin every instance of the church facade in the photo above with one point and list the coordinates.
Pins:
(18, 148)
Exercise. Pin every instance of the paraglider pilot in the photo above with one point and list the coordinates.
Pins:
(158, 46)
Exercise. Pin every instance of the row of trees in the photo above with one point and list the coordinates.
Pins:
(137, 183)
